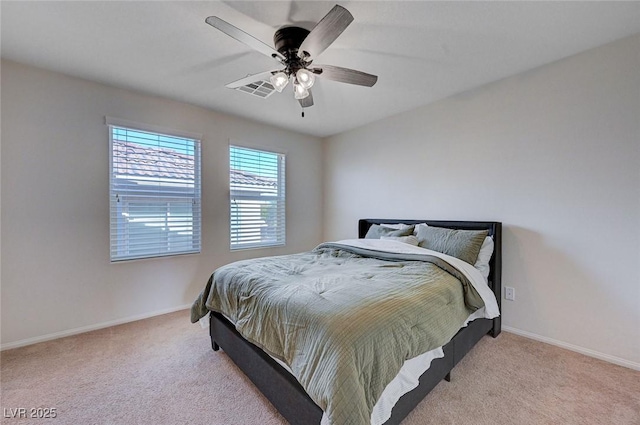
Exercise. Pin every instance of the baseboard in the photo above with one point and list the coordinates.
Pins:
(83, 329)
(587, 352)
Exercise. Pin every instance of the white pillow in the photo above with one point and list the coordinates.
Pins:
(396, 225)
(415, 229)
(486, 251)
(411, 240)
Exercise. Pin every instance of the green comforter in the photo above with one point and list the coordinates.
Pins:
(343, 319)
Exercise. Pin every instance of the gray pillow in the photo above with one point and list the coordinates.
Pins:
(375, 231)
(462, 244)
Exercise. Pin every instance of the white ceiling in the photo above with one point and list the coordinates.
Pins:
(421, 51)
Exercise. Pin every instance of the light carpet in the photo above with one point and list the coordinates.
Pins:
(162, 371)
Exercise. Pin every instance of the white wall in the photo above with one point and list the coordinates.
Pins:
(56, 274)
(554, 154)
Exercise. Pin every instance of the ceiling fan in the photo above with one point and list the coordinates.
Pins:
(295, 49)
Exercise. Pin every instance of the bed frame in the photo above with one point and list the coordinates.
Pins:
(288, 396)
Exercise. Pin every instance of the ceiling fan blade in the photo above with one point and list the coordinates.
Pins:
(325, 32)
(307, 101)
(251, 79)
(345, 75)
(243, 37)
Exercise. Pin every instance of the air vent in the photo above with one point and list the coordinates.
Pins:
(261, 89)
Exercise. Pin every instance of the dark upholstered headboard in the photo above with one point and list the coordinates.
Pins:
(494, 228)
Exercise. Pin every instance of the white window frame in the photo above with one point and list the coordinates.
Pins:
(248, 238)
(168, 192)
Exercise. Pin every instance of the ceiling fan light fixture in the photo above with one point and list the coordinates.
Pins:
(299, 92)
(295, 49)
(279, 81)
(305, 78)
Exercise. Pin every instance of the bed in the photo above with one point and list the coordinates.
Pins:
(285, 392)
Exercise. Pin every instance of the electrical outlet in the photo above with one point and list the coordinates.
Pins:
(509, 293)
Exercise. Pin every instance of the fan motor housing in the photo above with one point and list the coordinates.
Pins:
(287, 40)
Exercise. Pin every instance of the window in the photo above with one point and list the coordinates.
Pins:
(257, 198)
(154, 193)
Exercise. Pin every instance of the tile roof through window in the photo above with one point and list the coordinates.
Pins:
(134, 159)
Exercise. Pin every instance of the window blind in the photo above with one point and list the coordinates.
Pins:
(154, 194)
(257, 188)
